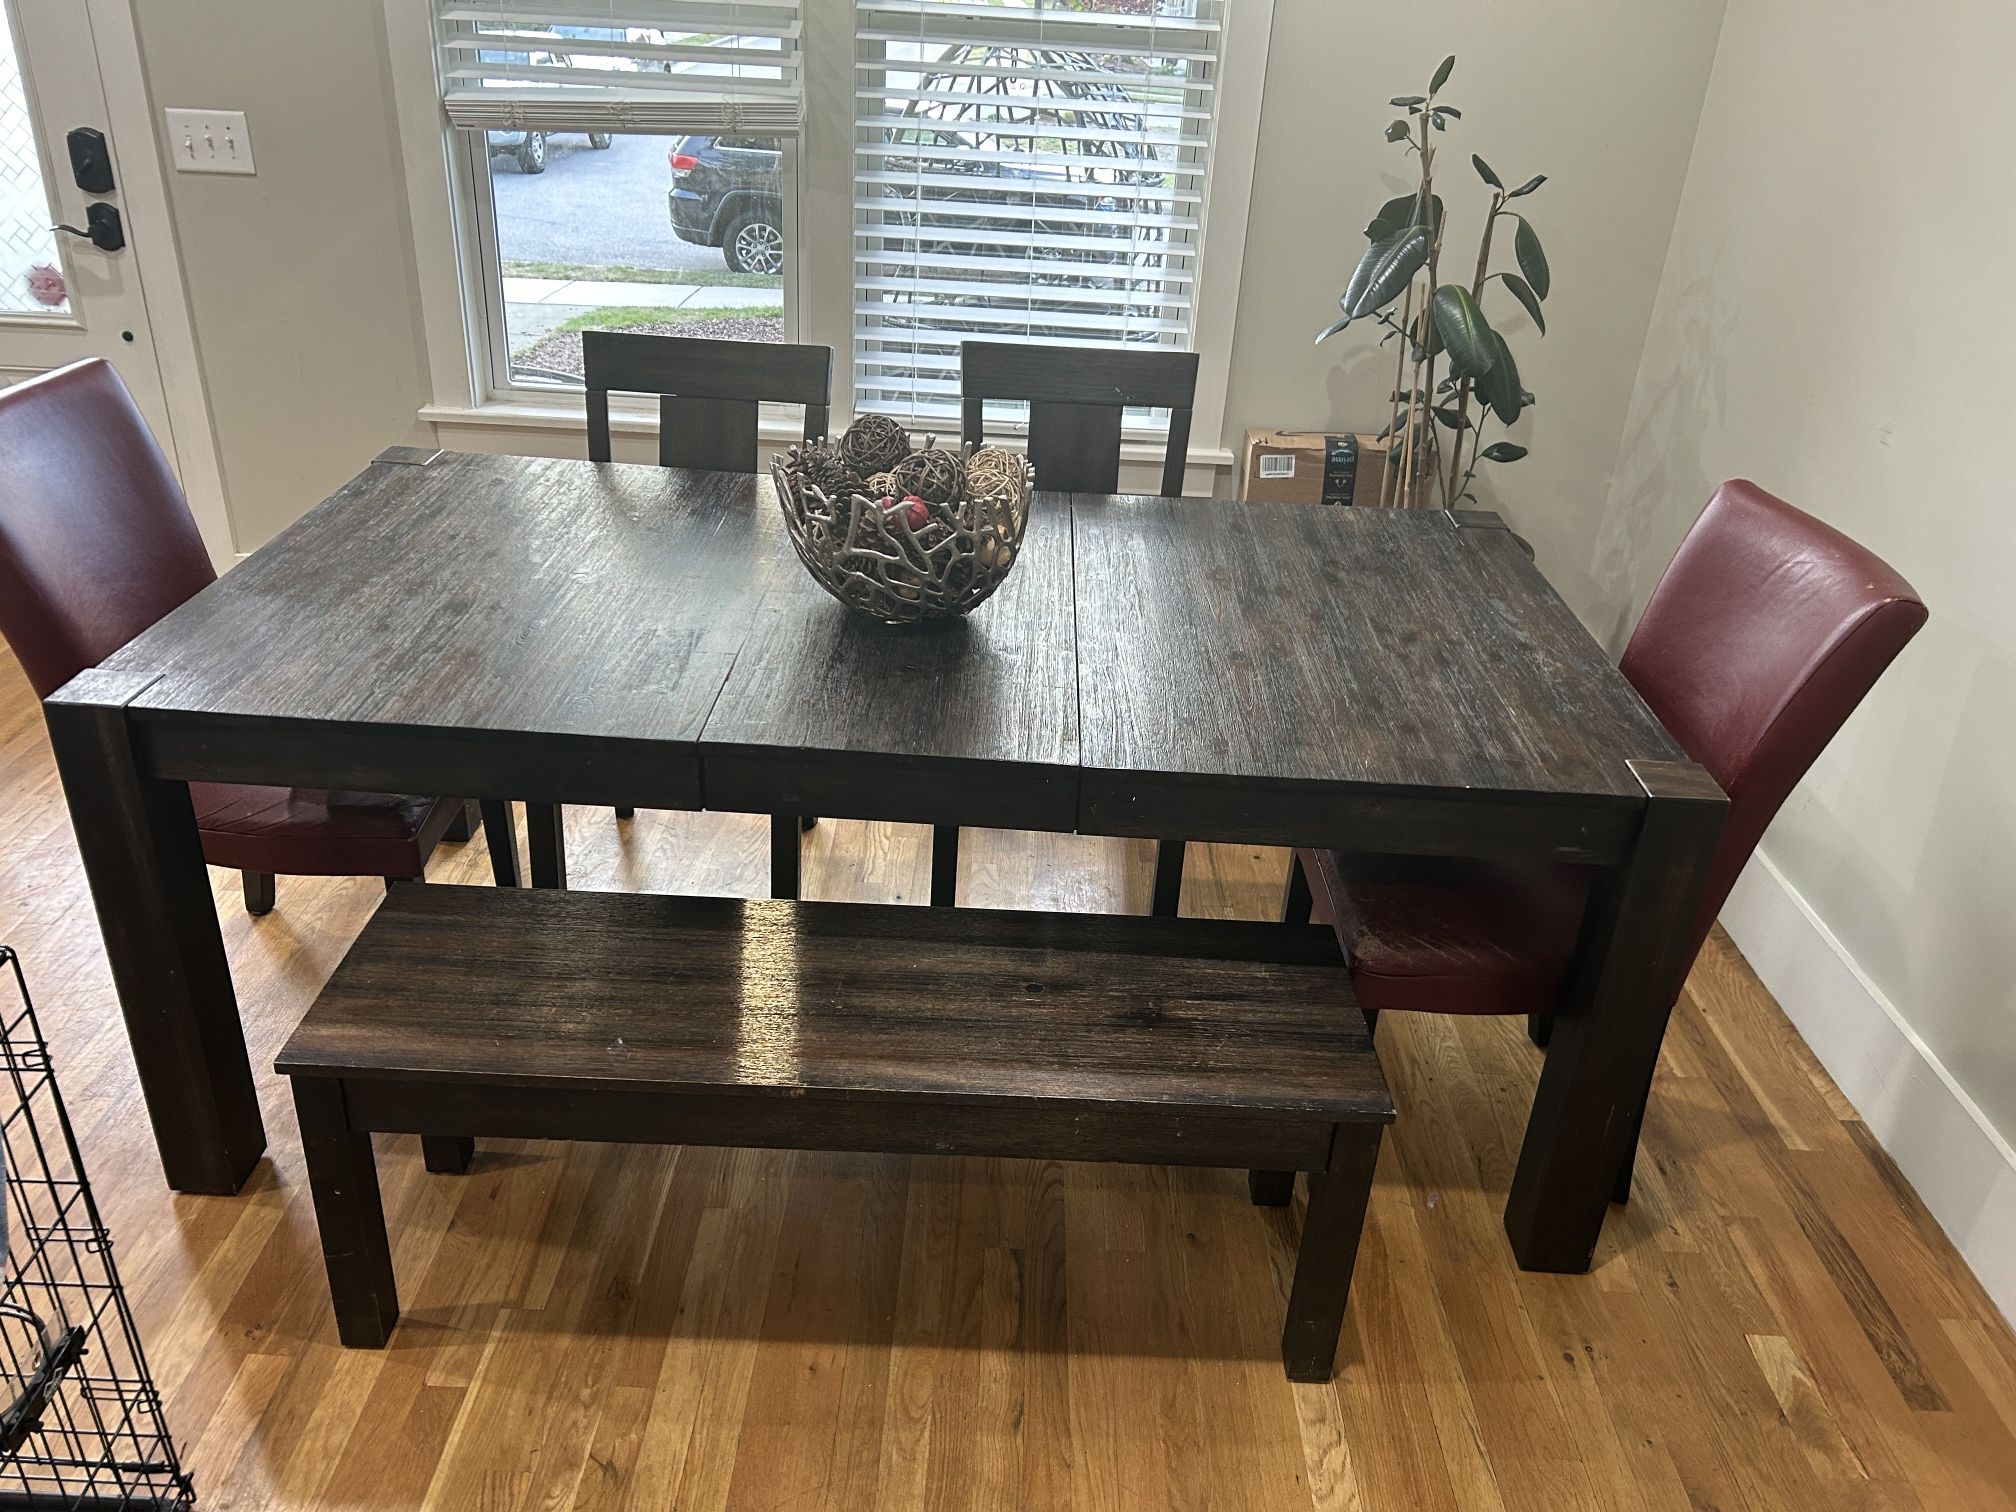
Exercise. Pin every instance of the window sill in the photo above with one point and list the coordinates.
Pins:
(546, 428)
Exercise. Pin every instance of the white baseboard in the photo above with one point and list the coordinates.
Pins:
(1961, 1166)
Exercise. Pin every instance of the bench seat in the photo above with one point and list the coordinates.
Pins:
(464, 1012)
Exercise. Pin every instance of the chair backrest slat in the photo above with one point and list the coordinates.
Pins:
(1076, 397)
(709, 392)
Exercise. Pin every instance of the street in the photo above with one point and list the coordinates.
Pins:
(593, 209)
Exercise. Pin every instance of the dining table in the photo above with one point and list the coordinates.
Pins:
(555, 631)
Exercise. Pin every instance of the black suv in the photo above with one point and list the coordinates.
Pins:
(725, 193)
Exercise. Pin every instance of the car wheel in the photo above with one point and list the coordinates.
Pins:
(599, 140)
(754, 243)
(532, 153)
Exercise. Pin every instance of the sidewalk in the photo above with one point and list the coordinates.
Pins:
(583, 293)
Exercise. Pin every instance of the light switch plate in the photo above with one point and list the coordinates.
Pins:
(210, 141)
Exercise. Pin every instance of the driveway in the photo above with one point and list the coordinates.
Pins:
(597, 209)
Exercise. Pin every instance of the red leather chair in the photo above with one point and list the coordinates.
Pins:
(1762, 637)
(96, 544)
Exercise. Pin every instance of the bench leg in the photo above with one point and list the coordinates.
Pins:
(447, 1154)
(343, 1179)
(1168, 878)
(1270, 1188)
(1336, 1218)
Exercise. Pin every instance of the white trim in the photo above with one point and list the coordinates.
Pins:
(444, 264)
(157, 265)
(559, 430)
(1242, 81)
(1960, 1164)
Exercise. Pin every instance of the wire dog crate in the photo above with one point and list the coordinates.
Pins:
(80, 1418)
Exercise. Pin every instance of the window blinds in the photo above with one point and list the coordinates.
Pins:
(1024, 171)
(621, 65)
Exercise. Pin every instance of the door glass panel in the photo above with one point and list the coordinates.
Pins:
(31, 264)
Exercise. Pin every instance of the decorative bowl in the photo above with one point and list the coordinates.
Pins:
(897, 556)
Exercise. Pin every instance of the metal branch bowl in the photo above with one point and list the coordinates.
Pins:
(876, 560)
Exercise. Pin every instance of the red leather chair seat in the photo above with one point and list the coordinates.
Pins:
(314, 832)
(1437, 935)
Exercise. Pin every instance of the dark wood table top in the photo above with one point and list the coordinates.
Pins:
(1152, 667)
(976, 719)
(968, 1006)
(1259, 658)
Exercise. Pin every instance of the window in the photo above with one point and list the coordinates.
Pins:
(631, 161)
(1025, 171)
(885, 177)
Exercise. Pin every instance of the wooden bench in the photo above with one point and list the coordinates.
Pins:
(466, 1011)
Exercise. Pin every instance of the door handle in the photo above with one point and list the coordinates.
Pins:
(108, 231)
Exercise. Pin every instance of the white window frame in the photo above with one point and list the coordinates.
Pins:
(461, 298)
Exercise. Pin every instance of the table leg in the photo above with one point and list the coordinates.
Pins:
(1605, 1040)
(546, 839)
(343, 1179)
(1330, 1233)
(944, 865)
(137, 836)
(786, 837)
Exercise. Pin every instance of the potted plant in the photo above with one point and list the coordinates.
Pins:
(1398, 285)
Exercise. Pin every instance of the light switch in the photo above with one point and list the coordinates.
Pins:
(209, 141)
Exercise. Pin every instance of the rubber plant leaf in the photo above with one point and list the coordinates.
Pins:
(1388, 266)
(1532, 260)
(1399, 131)
(1331, 330)
(1442, 74)
(1465, 332)
(1523, 292)
(1500, 388)
(1528, 187)
(1484, 172)
(1398, 214)
(1503, 451)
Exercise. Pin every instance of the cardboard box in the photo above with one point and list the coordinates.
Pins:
(1311, 467)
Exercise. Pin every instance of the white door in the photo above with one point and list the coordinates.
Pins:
(61, 297)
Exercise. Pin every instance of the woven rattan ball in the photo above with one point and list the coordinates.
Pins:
(992, 473)
(936, 477)
(875, 444)
(881, 486)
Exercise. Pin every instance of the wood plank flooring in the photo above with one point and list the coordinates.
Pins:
(1773, 1323)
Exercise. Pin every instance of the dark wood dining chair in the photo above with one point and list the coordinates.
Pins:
(96, 544)
(1766, 631)
(1077, 398)
(710, 398)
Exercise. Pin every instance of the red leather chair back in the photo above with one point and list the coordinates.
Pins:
(1764, 634)
(96, 539)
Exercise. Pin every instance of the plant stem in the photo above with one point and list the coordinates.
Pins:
(1422, 396)
(1399, 370)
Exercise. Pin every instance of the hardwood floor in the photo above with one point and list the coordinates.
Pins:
(1774, 1322)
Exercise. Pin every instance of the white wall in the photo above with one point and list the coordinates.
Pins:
(1834, 322)
(300, 279)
